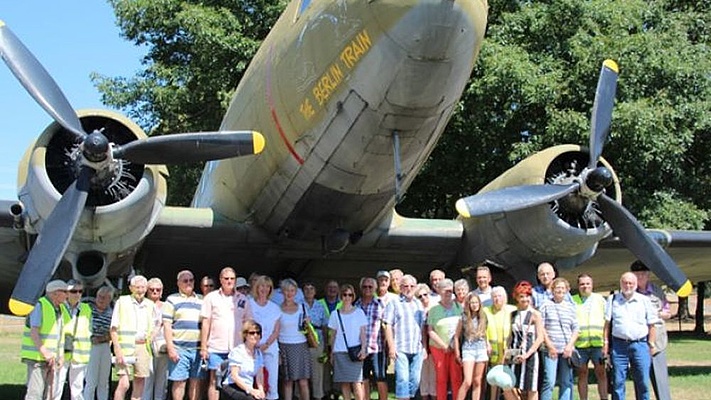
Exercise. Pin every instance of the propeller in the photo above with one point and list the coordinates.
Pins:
(95, 154)
(586, 187)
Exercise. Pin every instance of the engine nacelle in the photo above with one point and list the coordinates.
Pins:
(549, 232)
(122, 206)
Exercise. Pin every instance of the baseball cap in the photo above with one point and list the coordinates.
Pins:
(638, 266)
(241, 282)
(55, 285)
(382, 273)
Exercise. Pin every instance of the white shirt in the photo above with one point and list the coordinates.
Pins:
(631, 317)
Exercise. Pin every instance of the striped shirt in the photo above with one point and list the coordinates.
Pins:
(183, 312)
(560, 321)
(407, 320)
(374, 312)
(101, 321)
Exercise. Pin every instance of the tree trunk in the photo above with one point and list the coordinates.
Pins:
(683, 313)
(700, 296)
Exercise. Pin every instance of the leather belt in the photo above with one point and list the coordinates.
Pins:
(644, 339)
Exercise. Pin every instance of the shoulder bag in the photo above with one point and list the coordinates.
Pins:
(353, 351)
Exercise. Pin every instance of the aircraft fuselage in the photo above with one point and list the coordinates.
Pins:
(330, 88)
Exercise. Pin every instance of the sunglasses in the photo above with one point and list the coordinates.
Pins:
(155, 289)
(367, 287)
(75, 291)
(208, 285)
(258, 333)
(422, 296)
(348, 295)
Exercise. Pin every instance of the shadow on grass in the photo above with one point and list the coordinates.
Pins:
(8, 391)
(681, 335)
(689, 370)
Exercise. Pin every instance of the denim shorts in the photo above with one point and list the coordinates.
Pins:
(215, 359)
(474, 351)
(593, 354)
(188, 366)
(377, 364)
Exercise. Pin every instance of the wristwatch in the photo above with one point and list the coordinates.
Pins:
(652, 346)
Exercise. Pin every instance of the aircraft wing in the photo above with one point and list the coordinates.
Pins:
(690, 249)
(198, 239)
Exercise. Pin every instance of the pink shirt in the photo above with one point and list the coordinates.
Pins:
(226, 315)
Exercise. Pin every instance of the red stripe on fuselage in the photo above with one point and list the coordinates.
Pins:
(275, 118)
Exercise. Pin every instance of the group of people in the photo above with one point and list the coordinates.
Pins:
(247, 339)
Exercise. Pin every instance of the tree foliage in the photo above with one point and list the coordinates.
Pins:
(533, 87)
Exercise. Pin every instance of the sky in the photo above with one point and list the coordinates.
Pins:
(72, 39)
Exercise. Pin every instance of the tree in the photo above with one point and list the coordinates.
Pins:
(533, 87)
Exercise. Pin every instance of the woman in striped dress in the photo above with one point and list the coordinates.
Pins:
(526, 335)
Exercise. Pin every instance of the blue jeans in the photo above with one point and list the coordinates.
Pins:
(557, 369)
(637, 355)
(407, 374)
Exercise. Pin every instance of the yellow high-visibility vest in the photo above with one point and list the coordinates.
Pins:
(591, 320)
(498, 330)
(80, 328)
(128, 325)
(50, 333)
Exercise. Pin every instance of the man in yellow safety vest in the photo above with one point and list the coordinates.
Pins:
(43, 341)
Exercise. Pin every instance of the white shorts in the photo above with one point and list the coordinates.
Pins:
(474, 351)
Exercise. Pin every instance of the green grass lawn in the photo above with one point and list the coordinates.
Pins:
(689, 368)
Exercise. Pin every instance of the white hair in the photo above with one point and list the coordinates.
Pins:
(138, 279)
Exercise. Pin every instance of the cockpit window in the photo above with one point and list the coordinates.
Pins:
(302, 7)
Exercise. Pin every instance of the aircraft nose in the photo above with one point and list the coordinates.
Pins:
(438, 30)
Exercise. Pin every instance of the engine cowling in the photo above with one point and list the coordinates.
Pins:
(122, 206)
(565, 232)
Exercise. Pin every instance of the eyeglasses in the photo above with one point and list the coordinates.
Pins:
(155, 289)
(407, 286)
(208, 285)
(258, 333)
(228, 278)
(75, 291)
(367, 287)
(187, 280)
(348, 295)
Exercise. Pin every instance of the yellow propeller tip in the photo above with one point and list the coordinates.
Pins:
(19, 308)
(462, 208)
(685, 290)
(258, 142)
(612, 65)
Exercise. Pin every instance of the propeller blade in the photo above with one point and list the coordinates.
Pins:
(50, 245)
(191, 147)
(602, 109)
(511, 199)
(38, 83)
(635, 238)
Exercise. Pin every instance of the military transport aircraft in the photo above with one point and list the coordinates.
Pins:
(350, 98)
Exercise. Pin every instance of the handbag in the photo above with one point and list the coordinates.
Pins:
(575, 359)
(69, 338)
(309, 332)
(353, 351)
